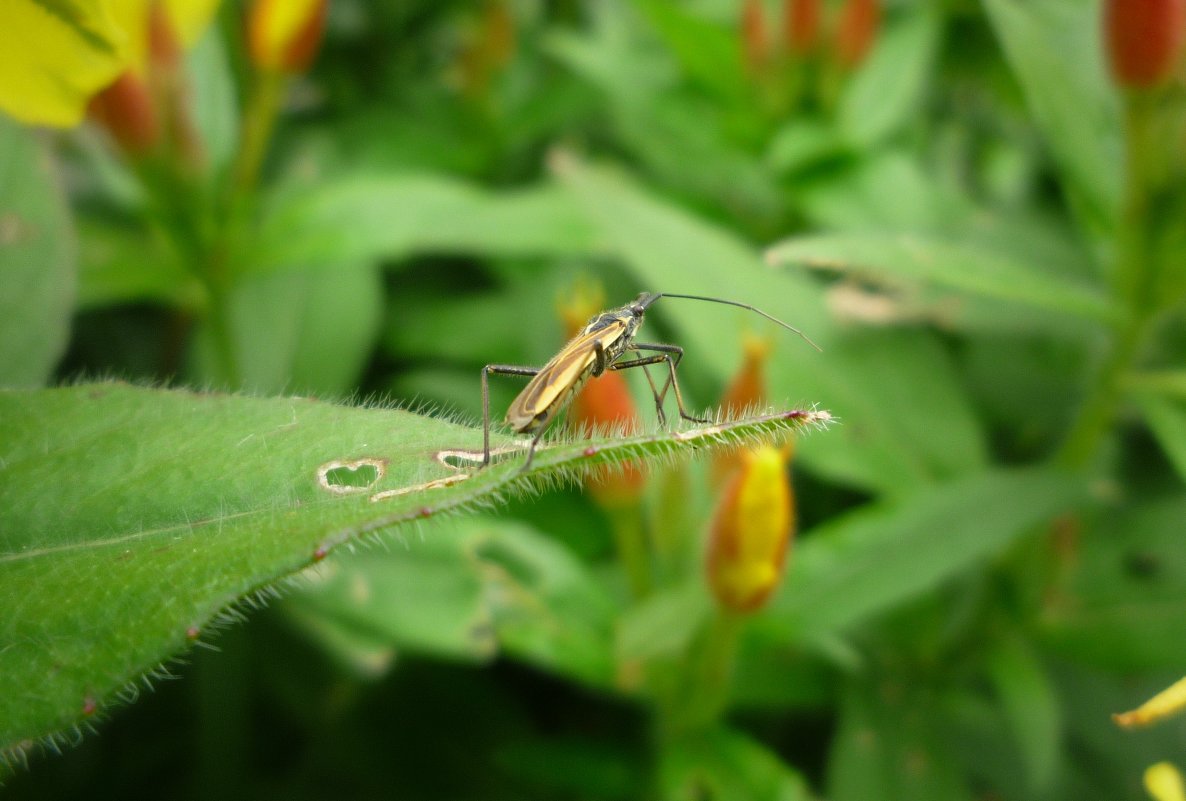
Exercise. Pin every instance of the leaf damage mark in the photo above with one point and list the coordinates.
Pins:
(439, 483)
(350, 476)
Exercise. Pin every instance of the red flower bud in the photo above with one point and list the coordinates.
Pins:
(751, 531)
(605, 402)
(283, 35)
(1144, 39)
(801, 19)
(126, 110)
(755, 46)
(856, 31)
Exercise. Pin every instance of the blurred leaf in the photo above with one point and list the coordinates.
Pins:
(123, 263)
(178, 505)
(888, 90)
(802, 143)
(1055, 50)
(470, 588)
(890, 746)
(1127, 598)
(365, 218)
(419, 594)
(663, 624)
(707, 52)
(1167, 421)
(37, 261)
(1031, 706)
(723, 764)
(912, 258)
(866, 562)
(509, 325)
(215, 101)
(306, 331)
(887, 190)
(905, 420)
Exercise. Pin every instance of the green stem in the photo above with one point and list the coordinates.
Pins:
(259, 119)
(631, 543)
(1133, 280)
(702, 691)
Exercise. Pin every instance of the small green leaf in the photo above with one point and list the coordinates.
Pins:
(721, 763)
(1031, 706)
(708, 52)
(1167, 421)
(133, 519)
(1055, 51)
(37, 261)
(868, 561)
(889, 88)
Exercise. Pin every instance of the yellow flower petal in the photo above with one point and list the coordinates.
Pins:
(188, 18)
(1170, 701)
(1164, 782)
(53, 61)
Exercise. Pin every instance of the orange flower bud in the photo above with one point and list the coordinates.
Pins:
(755, 46)
(856, 30)
(747, 391)
(1144, 39)
(126, 110)
(603, 403)
(749, 386)
(801, 19)
(283, 35)
(751, 531)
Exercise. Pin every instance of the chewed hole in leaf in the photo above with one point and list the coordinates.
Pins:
(343, 477)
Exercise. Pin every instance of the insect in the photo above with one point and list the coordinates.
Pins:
(600, 346)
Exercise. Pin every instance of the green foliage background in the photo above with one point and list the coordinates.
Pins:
(984, 235)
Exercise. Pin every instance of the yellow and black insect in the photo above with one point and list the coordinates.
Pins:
(598, 347)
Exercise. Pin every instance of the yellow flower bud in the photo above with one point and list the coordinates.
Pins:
(751, 531)
(283, 35)
(1163, 781)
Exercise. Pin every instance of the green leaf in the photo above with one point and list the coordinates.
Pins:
(1167, 421)
(707, 52)
(121, 263)
(1055, 51)
(468, 590)
(890, 746)
(308, 330)
(915, 425)
(888, 91)
(898, 259)
(37, 261)
(133, 520)
(365, 218)
(721, 763)
(1031, 707)
(867, 562)
(1126, 600)
(215, 104)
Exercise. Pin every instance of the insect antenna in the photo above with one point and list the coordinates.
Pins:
(651, 299)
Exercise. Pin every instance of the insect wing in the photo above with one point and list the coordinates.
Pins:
(560, 377)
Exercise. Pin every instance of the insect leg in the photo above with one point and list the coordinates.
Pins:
(672, 354)
(501, 369)
(643, 362)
